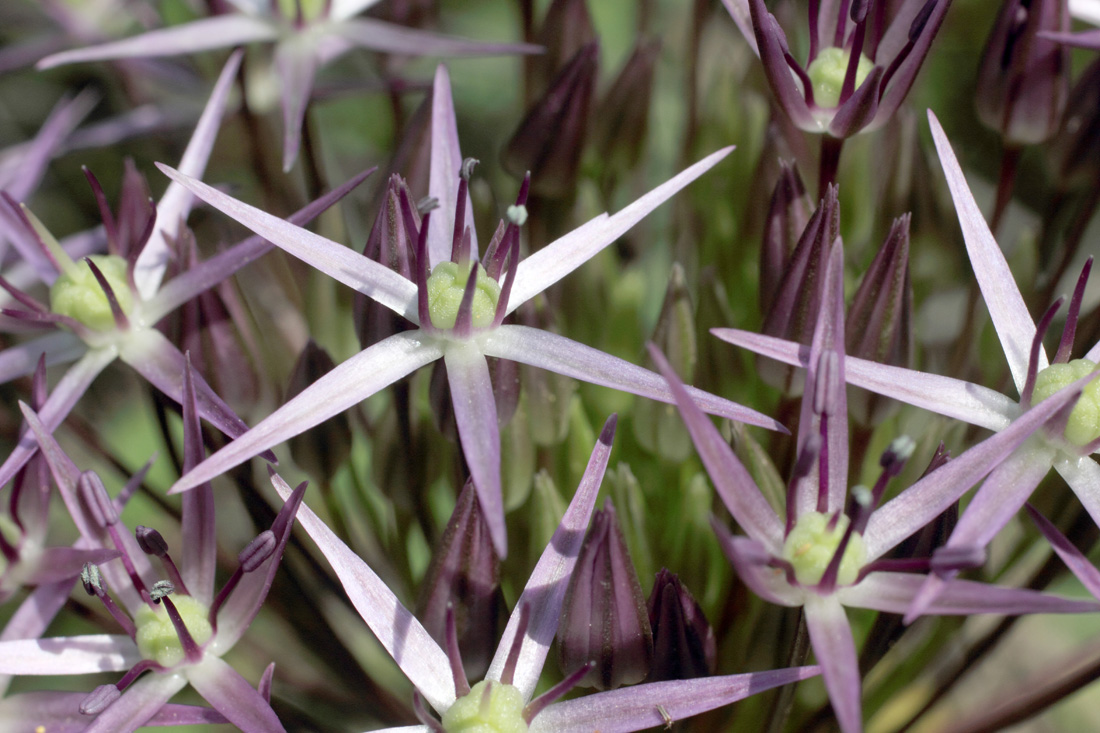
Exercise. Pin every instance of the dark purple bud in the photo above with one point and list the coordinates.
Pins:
(684, 646)
(257, 551)
(99, 699)
(878, 326)
(658, 429)
(151, 541)
(566, 29)
(788, 214)
(549, 141)
(391, 244)
(465, 574)
(621, 122)
(604, 618)
(94, 496)
(322, 450)
(794, 310)
(1023, 80)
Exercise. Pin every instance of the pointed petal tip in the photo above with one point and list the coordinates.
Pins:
(607, 435)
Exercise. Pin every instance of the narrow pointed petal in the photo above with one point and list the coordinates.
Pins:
(562, 256)
(742, 17)
(232, 696)
(894, 592)
(378, 35)
(414, 650)
(141, 701)
(1074, 559)
(732, 481)
(1002, 296)
(545, 589)
(926, 499)
(335, 260)
(1083, 476)
(349, 383)
(31, 619)
(835, 651)
(955, 398)
(21, 359)
(199, 552)
(59, 712)
(222, 31)
(63, 119)
(636, 708)
(547, 350)
(296, 64)
(154, 357)
(857, 113)
(175, 204)
(476, 418)
(58, 405)
(770, 45)
(893, 40)
(210, 272)
(446, 163)
(68, 655)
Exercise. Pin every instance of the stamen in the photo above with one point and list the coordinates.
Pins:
(121, 321)
(862, 497)
(94, 586)
(509, 672)
(539, 704)
(841, 24)
(94, 495)
(250, 558)
(192, 651)
(1036, 346)
(99, 699)
(427, 205)
(512, 260)
(454, 656)
(464, 320)
(815, 42)
(854, 57)
(1065, 347)
(424, 716)
(422, 266)
(915, 31)
(153, 543)
(893, 461)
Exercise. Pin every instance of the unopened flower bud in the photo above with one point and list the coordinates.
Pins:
(464, 574)
(604, 618)
(566, 29)
(788, 214)
(393, 246)
(793, 312)
(1023, 80)
(322, 450)
(878, 326)
(684, 646)
(550, 139)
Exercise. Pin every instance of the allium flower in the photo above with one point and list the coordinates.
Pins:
(829, 551)
(176, 628)
(502, 702)
(1067, 449)
(459, 316)
(863, 57)
(106, 307)
(307, 34)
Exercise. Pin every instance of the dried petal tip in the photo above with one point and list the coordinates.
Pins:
(151, 541)
(684, 645)
(604, 617)
(257, 551)
(99, 699)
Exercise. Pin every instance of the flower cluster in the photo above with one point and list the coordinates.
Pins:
(262, 209)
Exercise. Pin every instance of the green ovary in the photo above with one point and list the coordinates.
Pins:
(827, 72)
(77, 294)
(311, 9)
(810, 547)
(445, 288)
(156, 636)
(501, 713)
(1084, 421)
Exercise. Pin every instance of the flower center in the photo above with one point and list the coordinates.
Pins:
(810, 547)
(1084, 421)
(77, 294)
(310, 9)
(156, 636)
(827, 73)
(445, 288)
(491, 707)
